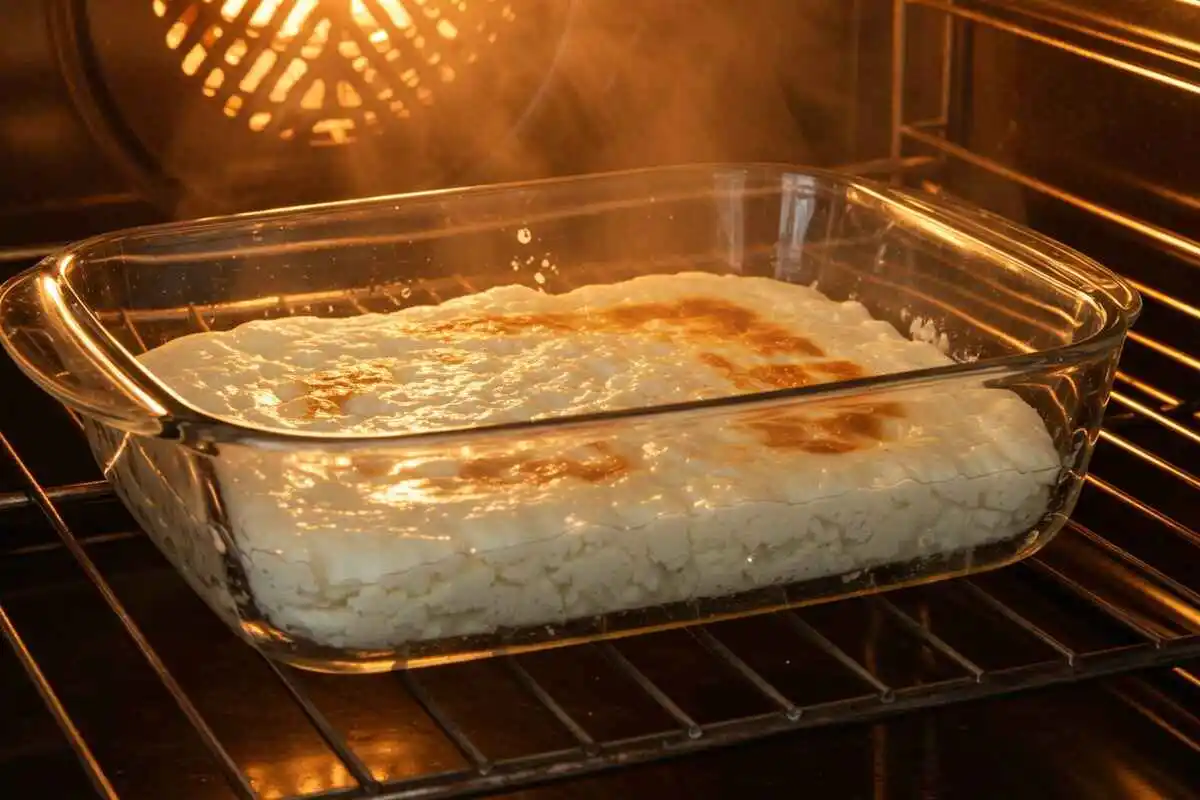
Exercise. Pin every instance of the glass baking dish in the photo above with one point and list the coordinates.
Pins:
(332, 552)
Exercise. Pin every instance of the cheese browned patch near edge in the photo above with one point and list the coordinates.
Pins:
(827, 431)
(328, 391)
(844, 430)
(765, 377)
(604, 466)
(698, 317)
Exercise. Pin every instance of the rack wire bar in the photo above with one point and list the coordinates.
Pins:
(1030, 627)
(1139, 565)
(931, 638)
(624, 665)
(812, 635)
(1063, 19)
(996, 23)
(1161, 419)
(547, 700)
(1166, 713)
(13, 255)
(1173, 525)
(236, 778)
(1112, 609)
(329, 733)
(1182, 245)
(449, 727)
(517, 772)
(84, 490)
(1115, 23)
(83, 752)
(718, 648)
(1153, 460)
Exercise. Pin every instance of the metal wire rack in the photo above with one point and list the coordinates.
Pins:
(130, 646)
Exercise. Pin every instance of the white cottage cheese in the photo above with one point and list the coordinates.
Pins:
(379, 547)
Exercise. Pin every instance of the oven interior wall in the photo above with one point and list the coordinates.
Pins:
(631, 85)
(98, 131)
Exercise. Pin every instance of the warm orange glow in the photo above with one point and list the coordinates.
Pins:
(1149, 389)
(258, 70)
(260, 120)
(1146, 411)
(214, 81)
(390, 753)
(192, 61)
(301, 10)
(392, 48)
(314, 98)
(1187, 676)
(293, 22)
(1166, 350)
(175, 34)
(1150, 458)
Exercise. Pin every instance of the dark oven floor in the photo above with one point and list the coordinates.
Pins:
(188, 711)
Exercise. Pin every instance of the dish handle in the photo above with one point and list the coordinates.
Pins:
(53, 341)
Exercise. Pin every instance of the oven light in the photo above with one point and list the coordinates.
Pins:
(323, 71)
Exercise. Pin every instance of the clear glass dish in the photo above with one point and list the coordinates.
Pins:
(314, 547)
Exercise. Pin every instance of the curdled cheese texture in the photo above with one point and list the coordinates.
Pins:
(513, 354)
(381, 545)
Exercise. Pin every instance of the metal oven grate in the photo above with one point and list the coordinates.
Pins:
(1094, 602)
(155, 698)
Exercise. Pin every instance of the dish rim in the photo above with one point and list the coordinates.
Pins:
(1113, 298)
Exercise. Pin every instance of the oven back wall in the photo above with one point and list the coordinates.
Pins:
(128, 111)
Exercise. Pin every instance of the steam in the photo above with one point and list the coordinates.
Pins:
(628, 84)
(685, 81)
(636, 84)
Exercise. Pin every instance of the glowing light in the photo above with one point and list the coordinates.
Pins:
(386, 49)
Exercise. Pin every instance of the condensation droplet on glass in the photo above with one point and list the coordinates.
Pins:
(406, 292)
(545, 262)
(524, 236)
(540, 278)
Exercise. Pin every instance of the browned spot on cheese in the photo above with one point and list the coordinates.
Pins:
(840, 370)
(694, 317)
(373, 467)
(604, 466)
(781, 376)
(849, 428)
(328, 391)
(774, 344)
(447, 358)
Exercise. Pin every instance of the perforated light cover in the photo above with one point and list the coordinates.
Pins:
(324, 71)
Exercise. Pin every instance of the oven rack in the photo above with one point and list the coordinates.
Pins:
(1115, 591)
(1132, 610)
(950, 666)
